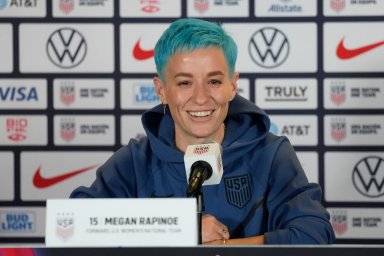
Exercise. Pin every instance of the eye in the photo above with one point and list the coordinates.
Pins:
(184, 83)
(215, 82)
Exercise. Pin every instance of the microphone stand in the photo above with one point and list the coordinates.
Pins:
(198, 194)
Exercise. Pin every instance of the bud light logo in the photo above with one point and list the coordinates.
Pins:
(3, 4)
(145, 94)
(201, 149)
(17, 222)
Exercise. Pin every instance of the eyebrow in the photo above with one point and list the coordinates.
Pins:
(213, 73)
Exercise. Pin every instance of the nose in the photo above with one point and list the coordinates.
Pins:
(201, 94)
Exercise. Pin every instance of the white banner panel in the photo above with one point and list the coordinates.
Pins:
(83, 8)
(150, 8)
(22, 221)
(365, 223)
(16, 130)
(353, 93)
(359, 174)
(84, 130)
(138, 94)
(121, 222)
(352, 130)
(243, 88)
(131, 127)
(301, 130)
(279, 8)
(353, 7)
(214, 8)
(137, 44)
(6, 49)
(7, 172)
(23, 93)
(299, 93)
(275, 47)
(47, 174)
(310, 163)
(84, 93)
(66, 48)
(23, 9)
(353, 46)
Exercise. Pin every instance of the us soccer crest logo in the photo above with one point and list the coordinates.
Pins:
(65, 225)
(339, 222)
(238, 190)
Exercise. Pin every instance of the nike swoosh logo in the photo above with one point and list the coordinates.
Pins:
(141, 54)
(344, 53)
(42, 182)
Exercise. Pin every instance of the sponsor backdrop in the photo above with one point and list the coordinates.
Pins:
(75, 76)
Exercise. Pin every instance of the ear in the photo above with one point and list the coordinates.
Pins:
(234, 84)
(159, 86)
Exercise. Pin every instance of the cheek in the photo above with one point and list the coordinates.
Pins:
(176, 98)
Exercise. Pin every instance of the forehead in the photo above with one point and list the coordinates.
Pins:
(205, 58)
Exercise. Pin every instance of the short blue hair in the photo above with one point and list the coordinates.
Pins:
(186, 35)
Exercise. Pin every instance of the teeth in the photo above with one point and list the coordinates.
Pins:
(200, 113)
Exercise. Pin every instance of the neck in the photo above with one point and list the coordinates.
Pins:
(183, 143)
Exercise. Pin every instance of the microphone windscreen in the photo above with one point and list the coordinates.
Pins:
(209, 152)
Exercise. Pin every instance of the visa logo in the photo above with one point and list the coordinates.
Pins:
(21, 93)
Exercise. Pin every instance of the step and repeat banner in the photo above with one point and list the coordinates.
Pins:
(75, 76)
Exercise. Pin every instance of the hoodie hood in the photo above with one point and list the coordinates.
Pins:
(246, 124)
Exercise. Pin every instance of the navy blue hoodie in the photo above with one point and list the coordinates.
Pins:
(263, 191)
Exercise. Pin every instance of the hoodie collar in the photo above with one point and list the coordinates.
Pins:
(246, 124)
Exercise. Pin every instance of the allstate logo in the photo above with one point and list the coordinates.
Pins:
(3, 4)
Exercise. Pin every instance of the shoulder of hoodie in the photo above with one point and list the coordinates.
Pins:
(137, 147)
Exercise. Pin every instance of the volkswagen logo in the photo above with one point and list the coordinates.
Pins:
(268, 47)
(66, 48)
(368, 176)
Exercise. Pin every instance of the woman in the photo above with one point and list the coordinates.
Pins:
(264, 196)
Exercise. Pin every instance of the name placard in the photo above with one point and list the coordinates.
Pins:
(121, 222)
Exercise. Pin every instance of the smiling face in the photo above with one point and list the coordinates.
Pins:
(197, 90)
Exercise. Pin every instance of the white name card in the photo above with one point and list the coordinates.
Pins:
(121, 222)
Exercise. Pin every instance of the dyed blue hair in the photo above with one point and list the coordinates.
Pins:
(186, 35)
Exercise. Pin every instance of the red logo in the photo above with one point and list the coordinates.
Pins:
(201, 149)
(140, 53)
(66, 6)
(43, 182)
(344, 53)
(201, 5)
(17, 128)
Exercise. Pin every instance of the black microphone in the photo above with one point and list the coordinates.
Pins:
(200, 172)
